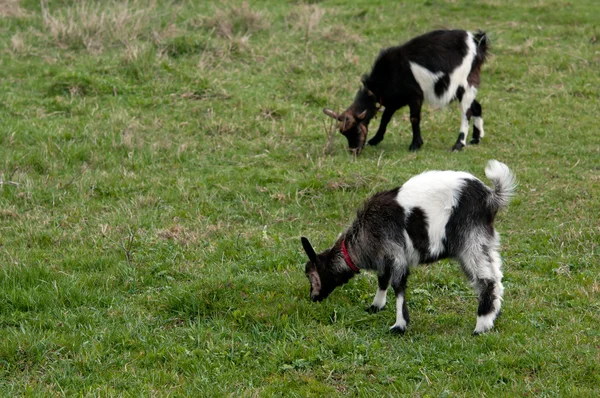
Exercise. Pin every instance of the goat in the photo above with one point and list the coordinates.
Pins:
(434, 215)
(437, 68)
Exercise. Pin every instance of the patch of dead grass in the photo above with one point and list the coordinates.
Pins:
(306, 18)
(339, 34)
(17, 44)
(179, 234)
(231, 22)
(11, 8)
(94, 25)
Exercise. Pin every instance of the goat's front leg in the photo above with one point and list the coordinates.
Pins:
(415, 121)
(380, 299)
(385, 119)
(399, 279)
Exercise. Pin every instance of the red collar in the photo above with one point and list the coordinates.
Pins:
(347, 258)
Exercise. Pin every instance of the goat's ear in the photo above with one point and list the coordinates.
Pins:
(310, 252)
(363, 129)
(331, 113)
(371, 94)
(362, 115)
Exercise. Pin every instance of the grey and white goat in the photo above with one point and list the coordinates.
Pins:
(434, 215)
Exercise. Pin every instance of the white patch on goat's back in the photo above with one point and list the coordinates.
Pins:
(436, 193)
(458, 77)
(427, 80)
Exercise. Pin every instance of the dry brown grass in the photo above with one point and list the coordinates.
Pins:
(11, 8)
(340, 34)
(95, 25)
(231, 22)
(17, 44)
(306, 18)
(179, 234)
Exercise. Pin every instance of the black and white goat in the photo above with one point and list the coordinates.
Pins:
(434, 215)
(437, 67)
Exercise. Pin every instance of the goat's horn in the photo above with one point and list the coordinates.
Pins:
(362, 115)
(330, 113)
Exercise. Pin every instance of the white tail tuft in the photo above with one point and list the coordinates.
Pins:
(504, 183)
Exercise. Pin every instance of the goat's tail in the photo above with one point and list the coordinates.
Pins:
(482, 43)
(504, 184)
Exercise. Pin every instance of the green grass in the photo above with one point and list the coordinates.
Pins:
(159, 161)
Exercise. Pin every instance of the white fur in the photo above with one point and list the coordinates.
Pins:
(380, 299)
(478, 122)
(484, 269)
(458, 77)
(465, 105)
(485, 323)
(411, 254)
(400, 321)
(504, 182)
(500, 175)
(427, 80)
(436, 193)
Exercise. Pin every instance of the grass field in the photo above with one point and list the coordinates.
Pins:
(159, 161)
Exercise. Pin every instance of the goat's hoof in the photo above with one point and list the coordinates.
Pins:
(457, 147)
(374, 141)
(373, 309)
(414, 147)
(397, 330)
(474, 141)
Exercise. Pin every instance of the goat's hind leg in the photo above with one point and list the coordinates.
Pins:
(487, 281)
(490, 296)
(477, 122)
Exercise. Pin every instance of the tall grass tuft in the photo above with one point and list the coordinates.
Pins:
(233, 21)
(11, 8)
(93, 26)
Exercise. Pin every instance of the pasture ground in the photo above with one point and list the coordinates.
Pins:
(159, 161)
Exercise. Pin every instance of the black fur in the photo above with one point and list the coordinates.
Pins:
(416, 227)
(442, 85)
(392, 84)
(460, 91)
(476, 112)
(486, 298)
(459, 145)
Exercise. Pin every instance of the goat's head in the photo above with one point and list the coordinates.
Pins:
(351, 126)
(353, 121)
(324, 276)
